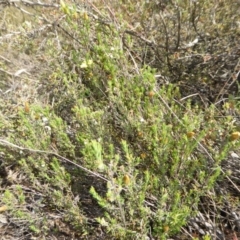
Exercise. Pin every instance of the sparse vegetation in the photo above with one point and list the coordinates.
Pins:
(120, 120)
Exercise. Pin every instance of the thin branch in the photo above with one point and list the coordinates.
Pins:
(189, 96)
(167, 49)
(178, 28)
(38, 3)
(9, 144)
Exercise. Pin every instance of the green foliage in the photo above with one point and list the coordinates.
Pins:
(153, 154)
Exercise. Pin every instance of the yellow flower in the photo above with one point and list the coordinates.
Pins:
(190, 134)
(85, 16)
(151, 94)
(3, 208)
(235, 136)
(26, 107)
(86, 63)
(165, 228)
(126, 179)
